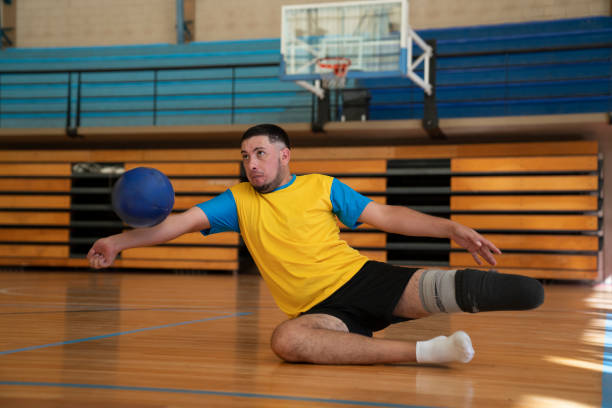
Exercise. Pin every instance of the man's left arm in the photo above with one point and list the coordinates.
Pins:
(402, 220)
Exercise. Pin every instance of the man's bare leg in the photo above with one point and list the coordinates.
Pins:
(324, 339)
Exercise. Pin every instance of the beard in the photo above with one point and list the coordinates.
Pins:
(272, 185)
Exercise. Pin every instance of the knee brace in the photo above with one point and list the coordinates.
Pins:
(472, 291)
(437, 291)
(480, 291)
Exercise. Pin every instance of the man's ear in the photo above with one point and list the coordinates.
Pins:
(285, 155)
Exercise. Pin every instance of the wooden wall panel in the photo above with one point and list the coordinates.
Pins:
(35, 169)
(35, 251)
(369, 184)
(529, 222)
(191, 169)
(196, 238)
(184, 253)
(542, 242)
(355, 239)
(34, 234)
(339, 166)
(531, 194)
(34, 185)
(531, 261)
(184, 202)
(524, 203)
(202, 185)
(35, 201)
(525, 183)
(34, 218)
(524, 164)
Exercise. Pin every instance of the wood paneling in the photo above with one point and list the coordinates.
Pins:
(200, 174)
(34, 218)
(548, 203)
(34, 234)
(358, 239)
(217, 185)
(339, 166)
(182, 253)
(369, 184)
(531, 261)
(525, 183)
(35, 169)
(580, 148)
(529, 222)
(196, 238)
(35, 201)
(231, 265)
(34, 185)
(35, 251)
(524, 164)
(542, 242)
(191, 169)
(184, 202)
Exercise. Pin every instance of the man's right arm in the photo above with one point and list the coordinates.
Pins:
(104, 251)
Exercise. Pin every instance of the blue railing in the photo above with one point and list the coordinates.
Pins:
(523, 69)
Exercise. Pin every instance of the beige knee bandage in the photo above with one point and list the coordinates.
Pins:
(437, 291)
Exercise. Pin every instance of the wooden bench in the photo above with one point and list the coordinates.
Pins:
(542, 211)
(539, 202)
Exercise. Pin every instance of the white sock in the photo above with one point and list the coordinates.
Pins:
(442, 349)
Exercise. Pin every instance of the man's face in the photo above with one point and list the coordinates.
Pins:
(266, 164)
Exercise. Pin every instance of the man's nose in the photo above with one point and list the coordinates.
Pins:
(251, 163)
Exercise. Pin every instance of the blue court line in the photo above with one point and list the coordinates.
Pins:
(114, 309)
(213, 393)
(105, 336)
(606, 372)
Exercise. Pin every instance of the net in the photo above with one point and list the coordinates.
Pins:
(333, 71)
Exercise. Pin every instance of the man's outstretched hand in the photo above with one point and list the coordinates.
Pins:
(475, 243)
(102, 254)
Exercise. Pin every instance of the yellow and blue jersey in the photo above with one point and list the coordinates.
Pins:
(293, 235)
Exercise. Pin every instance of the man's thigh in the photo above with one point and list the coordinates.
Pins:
(317, 321)
(410, 305)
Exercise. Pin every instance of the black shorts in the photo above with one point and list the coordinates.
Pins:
(366, 302)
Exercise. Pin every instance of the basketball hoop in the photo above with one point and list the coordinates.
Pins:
(334, 69)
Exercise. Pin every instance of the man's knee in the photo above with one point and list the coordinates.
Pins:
(285, 341)
(481, 291)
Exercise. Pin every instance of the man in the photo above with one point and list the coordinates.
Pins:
(335, 297)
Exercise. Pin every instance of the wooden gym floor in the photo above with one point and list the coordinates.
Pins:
(161, 340)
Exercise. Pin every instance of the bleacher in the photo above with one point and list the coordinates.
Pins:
(536, 68)
(556, 67)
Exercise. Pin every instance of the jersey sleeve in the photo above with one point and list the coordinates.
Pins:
(221, 212)
(347, 203)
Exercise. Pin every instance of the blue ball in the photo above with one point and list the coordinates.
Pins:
(143, 197)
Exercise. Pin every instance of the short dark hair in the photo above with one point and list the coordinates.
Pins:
(274, 133)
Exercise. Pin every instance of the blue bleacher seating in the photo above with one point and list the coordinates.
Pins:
(553, 67)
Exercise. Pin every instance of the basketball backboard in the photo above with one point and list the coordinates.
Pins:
(374, 35)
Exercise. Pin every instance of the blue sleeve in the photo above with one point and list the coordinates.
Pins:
(347, 203)
(221, 212)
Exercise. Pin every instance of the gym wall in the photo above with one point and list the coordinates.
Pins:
(85, 23)
(263, 18)
(66, 23)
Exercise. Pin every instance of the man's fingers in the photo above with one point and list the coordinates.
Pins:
(488, 256)
(96, 261)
